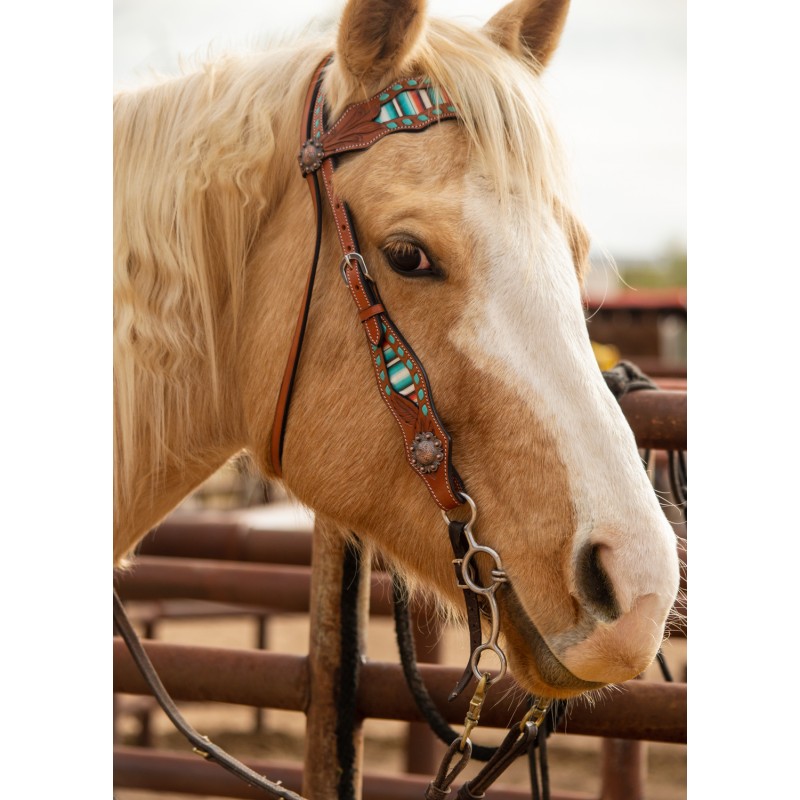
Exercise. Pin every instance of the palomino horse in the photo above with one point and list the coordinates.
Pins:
(466, 229)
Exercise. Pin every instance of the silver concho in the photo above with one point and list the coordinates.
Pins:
(310, 158)
(426, 453)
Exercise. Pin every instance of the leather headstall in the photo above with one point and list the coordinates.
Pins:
(408, 105)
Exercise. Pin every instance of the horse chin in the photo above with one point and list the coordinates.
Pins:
(534, 665)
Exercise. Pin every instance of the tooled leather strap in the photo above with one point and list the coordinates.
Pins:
(406, 105)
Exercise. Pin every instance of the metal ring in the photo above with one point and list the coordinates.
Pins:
(472, 506)
(361, 263)
(476, 657)
(476, 587)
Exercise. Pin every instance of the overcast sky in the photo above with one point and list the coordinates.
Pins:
(617, 86)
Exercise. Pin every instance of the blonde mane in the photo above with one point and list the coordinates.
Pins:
(196, 173)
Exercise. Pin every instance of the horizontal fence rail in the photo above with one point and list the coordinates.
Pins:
(635, 710)
(136, 768)
(657, 418)
(266, 586)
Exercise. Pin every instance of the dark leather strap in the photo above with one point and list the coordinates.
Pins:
(200, 743)
(287, 384)
(459, 543)
(514, 745)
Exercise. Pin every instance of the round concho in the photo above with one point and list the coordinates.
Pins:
(310, 157)
(426, 452)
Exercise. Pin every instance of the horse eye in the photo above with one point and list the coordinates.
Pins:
(408, 259)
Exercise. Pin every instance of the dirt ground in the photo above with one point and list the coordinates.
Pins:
(574, 760)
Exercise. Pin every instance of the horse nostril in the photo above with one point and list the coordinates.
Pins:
(594, 585)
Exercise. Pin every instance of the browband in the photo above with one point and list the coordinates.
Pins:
(409, 104)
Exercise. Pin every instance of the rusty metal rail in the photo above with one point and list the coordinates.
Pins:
(271, 587)
(137, 768)
(636, 710)
(657, 418)
(227, 536)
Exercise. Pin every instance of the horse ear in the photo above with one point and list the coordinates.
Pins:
(532, 26)
(375, 37)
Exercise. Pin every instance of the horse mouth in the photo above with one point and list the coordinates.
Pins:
(535, 665)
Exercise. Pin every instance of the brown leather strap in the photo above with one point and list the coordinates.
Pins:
(287, 384)
(372, 311)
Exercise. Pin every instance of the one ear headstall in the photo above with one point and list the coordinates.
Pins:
(410, 104)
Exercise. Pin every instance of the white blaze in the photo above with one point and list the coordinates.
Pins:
(524, 325)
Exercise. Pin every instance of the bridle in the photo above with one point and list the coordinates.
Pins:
(407, 105)
(400, 376)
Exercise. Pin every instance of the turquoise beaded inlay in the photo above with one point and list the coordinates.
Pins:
(389, 391)
(401, 376)
(377, 361)
(406, 106)
(382, 375)
(421, 394)
(403, 105)
(424, 409)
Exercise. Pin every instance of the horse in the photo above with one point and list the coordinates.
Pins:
(466, 227)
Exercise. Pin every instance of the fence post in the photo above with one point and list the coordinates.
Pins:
(321, 770)
(624, 769)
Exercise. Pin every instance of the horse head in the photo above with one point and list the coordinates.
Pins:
(465, 227)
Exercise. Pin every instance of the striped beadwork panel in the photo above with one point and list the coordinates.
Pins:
(417, 103)
(397, 372)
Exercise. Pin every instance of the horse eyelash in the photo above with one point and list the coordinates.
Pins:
(409, 243)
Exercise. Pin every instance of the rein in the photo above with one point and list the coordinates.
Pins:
(201, 745)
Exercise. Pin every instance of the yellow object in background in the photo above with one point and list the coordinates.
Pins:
(607, 355)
